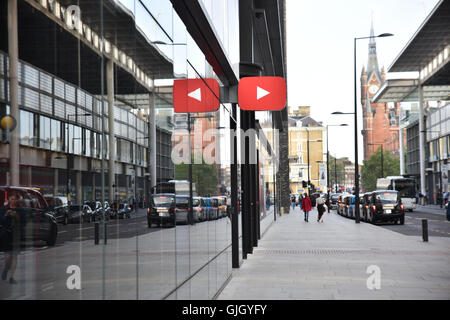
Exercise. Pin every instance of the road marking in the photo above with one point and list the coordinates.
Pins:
(86, 228)
(47, 286)
(62, 231)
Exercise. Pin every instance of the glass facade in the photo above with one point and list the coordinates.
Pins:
(438, 146)
(110, 77)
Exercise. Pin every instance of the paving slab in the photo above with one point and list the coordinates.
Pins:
(297, 260)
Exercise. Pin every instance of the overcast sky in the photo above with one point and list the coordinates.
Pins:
(320, 37)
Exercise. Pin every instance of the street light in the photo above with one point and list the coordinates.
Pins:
(356, 124)
(357, 218)
(379, 144)
(328, 159)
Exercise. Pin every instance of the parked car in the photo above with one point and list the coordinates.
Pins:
(349, 209)
(123, 211)
(199, 209)
(386, 205)
(364, 205)
(182, 209)
(341, 203)
(97, 210)
(80, 213)
(107, 209)
(162, 210)
(60, 207)
(221, 206)
(215, 207)
(334, 197)
(225, 204)
(211, 213)
(36, 218)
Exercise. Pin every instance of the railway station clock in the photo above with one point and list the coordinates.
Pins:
(373, 88)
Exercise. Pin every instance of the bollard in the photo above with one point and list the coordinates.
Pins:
(96, 236)
(425, 230)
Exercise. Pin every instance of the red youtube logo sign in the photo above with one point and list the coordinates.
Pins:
(195, 95)
(262, 93)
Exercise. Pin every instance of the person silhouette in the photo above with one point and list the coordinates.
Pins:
(10, 238)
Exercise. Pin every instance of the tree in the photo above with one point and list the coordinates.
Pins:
(371, 169)
(203, 175)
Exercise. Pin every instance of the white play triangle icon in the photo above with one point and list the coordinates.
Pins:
(260, 93)
(196, 94)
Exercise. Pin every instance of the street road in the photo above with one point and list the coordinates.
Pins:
(438, 226)
(116, 228)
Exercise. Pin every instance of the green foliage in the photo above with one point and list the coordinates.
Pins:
(337, 175)
(371, 169)
(203, 175)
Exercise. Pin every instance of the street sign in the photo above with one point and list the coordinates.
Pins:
(322, 174)
(262, 93)
(195, 95)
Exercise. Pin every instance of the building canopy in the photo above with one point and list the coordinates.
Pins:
(428, 52)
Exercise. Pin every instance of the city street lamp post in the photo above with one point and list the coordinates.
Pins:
(328, 160)
(357, 217)
(335, 174)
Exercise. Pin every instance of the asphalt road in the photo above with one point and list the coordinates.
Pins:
(116, 228)
(438, 226)
(134, 226)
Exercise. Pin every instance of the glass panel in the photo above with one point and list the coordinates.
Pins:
(45, 82)
(46, 104)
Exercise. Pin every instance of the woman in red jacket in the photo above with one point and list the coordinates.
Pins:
(306, 206)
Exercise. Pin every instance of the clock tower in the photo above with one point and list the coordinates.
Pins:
(380, 120)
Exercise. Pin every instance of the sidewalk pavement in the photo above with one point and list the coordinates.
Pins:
(310, 260)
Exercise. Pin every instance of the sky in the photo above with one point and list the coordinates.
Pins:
(320, 61)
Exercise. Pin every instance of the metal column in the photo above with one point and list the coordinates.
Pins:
(421, 141)
(111, 144)
(245, 181)
(402, 156)
(13, 50)
(152, 135)
(234, 194)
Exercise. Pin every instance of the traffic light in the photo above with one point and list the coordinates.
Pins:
(304, 185)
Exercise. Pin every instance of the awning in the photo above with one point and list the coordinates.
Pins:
(428, 41)
(406, 90)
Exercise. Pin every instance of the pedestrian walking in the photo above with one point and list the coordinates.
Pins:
(299, 202)
(293, 202)
(306, 206)
(10, 238)
(321, 208)
(448, 213)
